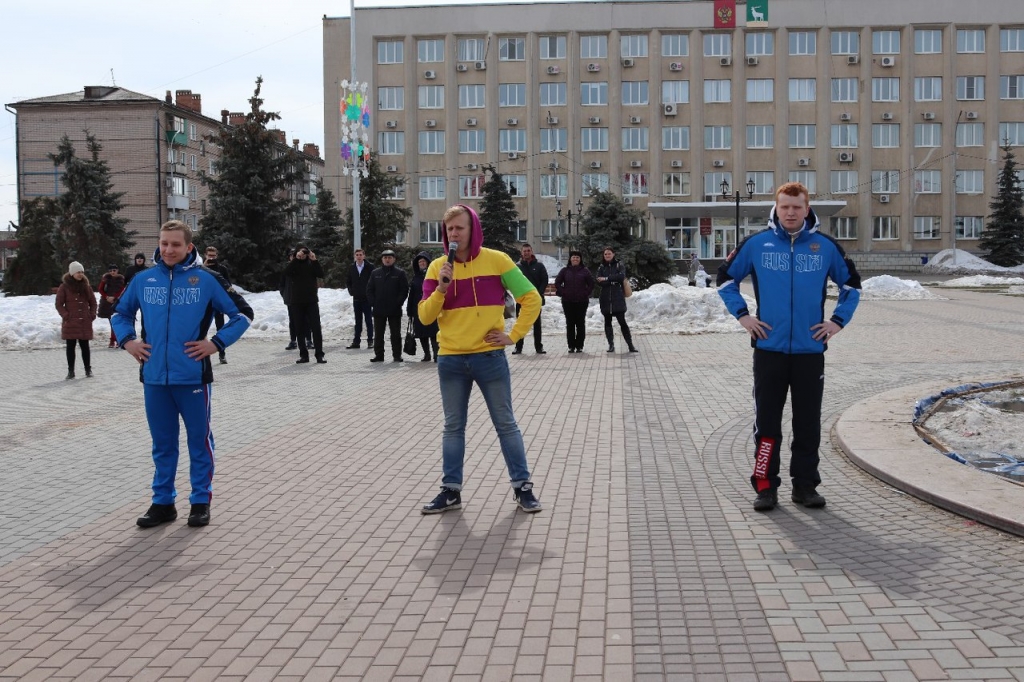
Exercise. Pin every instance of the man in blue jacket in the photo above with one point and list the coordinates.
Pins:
(789, 264)
(178, 298)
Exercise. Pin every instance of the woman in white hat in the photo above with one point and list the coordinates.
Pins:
(76, 304)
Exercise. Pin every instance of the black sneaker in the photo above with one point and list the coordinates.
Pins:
(517, 351)
(766, 500)
(525, 498)
(157, 514)
(321, 361)
(291, 346)
(223, 360)
(448, 499)
(808, 497)
(542, 352)
(376, 359)
(301, 361)
(199, 515)
(352, 346)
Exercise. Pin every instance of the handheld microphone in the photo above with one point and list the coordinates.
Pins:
(452, 248)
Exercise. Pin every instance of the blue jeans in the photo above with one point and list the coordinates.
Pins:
(489, 371)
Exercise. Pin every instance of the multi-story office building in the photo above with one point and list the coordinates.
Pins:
(157, 151)
(880, 108)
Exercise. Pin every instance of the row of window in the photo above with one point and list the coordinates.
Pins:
(677, 138)
(883, 228)
(678, 184)
(758, 43)
(636, 93)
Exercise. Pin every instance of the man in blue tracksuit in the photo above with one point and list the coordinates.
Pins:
(789, 265)
(178, 298)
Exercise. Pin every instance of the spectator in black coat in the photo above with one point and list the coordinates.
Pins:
(135, 268)
(574, 285)
(303, 272)
(358, 278)
(386, 292)
(213, 263)
(538, 276)
(426, 333)
(610, 275)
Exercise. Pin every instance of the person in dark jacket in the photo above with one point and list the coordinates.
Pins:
(213, 263)
(574, 284)
(426, 333)
(538, 276)
(303, 272)
(135, 268)
(358, 279)
(610, 275)
(386, 292)
(178, 297)
(76, 304)
(111, 285)
(789, 264)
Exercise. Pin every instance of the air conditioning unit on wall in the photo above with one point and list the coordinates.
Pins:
(883, 198)
(669, 109)
(461, 68)
(845, 157)
(888, 62)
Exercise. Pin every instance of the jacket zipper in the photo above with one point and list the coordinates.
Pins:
(792, 286)
(170, 298)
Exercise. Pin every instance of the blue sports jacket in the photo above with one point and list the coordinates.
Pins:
(177, 305)
(790, 277)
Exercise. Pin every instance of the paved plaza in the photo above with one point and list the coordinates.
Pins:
(647, 562)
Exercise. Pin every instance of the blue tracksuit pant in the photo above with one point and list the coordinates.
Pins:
(164, 404)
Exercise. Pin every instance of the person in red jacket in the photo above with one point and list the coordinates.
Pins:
(111, 286)
(76, 304)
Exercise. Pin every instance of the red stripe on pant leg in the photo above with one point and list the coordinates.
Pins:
(761, 461)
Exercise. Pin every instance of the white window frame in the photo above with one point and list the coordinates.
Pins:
(391, 142)
(885, 135)
(885, 228)
(635, 93)
(473, 141)
(844, 136)
(588, 91)
(675, 92)
(516, 184)
(635, 185)
(718, 137)
(430, 232)
(843, 227)
(432, 187)
(554, 185)
(845, 89)
(430, 50)
(803, 43)
(970, 226)
(633, 45)
(676, 184)
(473, 96)
(970, 181)
(390, 52)
(885, 182)
(1011, 132)
(594, 47)
(926, 227)
(552, 94)
(675, 138)
(927, 41)
(970, 135)
(590, 182)
(970, 41)
(927, 135)
(430, 142)
(391, 98)
(635, 139)
(717, 44)
(594, 139)
(885, 89)
(802, 89)
(760, 89)
(472, 49)
(430, 97)
(717, 90)
(928, 89)
(844, 182)
(885, 42)
(1011, 40)
(970, 88)
(675, 45)
(928, 181)
(512, 50)
(845, 42)
(1011, 87)
(761, 136)
(554, 140)
(803, 135)
(807, 178)
(547, 42)
(764, 181)
(511, 140)
(760, 44)
(511, 94)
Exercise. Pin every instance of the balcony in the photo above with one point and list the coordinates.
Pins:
(177, 202)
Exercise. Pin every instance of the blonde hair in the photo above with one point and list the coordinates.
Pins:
(178, 226)
(456, 210)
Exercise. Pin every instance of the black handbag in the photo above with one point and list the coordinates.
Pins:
(410, 340)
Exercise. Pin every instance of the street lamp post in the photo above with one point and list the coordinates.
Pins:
(750, 195)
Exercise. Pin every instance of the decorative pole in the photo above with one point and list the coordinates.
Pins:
(355, 122)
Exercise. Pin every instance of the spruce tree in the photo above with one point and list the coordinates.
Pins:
(250, 202)
(86, 228)
(498, 215)
(325, 233)
(35, 270)
(381, 218)
(1003, 237)
(608, 222)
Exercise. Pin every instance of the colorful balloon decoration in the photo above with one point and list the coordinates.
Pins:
(355, 124)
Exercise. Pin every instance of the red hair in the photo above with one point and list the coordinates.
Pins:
(794, 189)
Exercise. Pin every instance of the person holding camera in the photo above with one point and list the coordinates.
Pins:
(303, 272)
(386, 292)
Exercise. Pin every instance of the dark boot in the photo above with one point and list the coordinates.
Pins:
(71, 374)
(426, 350)
(434, 346)
(88, 372)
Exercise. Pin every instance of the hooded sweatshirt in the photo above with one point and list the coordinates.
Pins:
(474, 303)
(790, 274)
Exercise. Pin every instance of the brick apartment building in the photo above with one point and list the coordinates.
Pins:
(156, 151)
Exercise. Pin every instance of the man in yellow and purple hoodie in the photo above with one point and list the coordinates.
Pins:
(467, 299)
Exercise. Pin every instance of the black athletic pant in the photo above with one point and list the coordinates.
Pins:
(538, 341)
(84, 346)
(575, 323)
(218, 321)
(307, 317)
(803, 377)
(395, 322)
(623, 327)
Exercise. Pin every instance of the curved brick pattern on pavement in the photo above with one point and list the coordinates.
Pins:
(646, 563)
